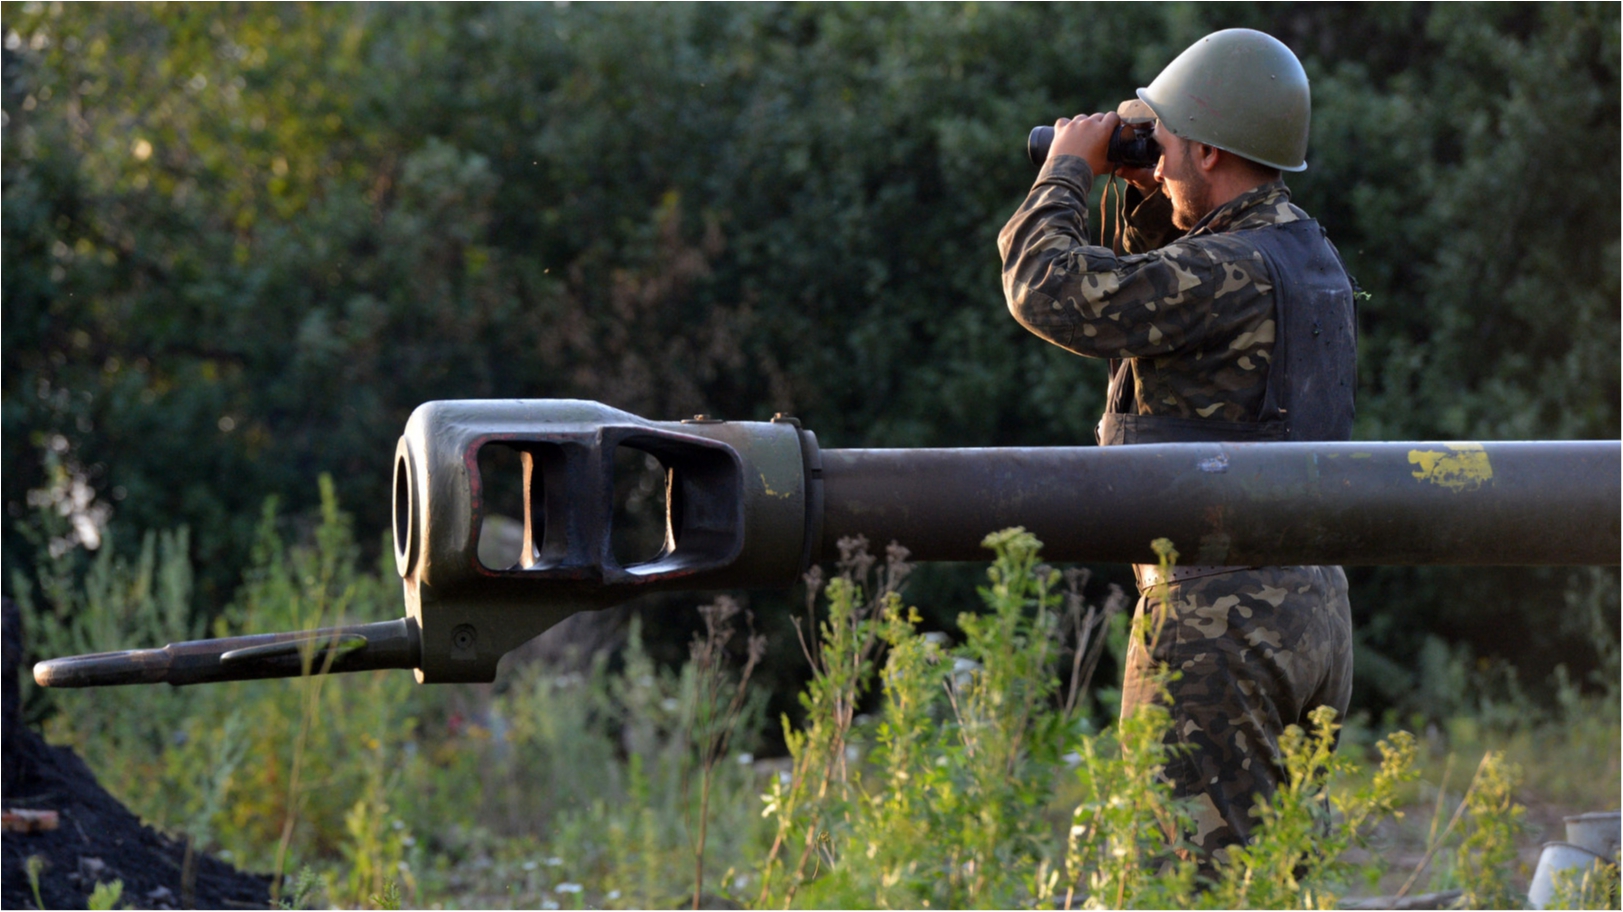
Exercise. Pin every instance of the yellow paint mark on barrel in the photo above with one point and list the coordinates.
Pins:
(768, 490)
(1465, 468)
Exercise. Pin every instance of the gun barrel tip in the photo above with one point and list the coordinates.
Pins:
(134, 666)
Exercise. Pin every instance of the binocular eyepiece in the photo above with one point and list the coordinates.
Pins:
(1132, 146)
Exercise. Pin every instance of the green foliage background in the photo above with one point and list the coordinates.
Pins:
(241, 243)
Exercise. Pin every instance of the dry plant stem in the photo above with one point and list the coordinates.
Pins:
(313, 685)
(707, 658)
(1096, 648)
(812, 652)
(958, 714)
(1083, 625)
(188, 875)
(698, 851)
(811, 828)
(1442, 798)
(812, 831)
(1012, 756)
(766, 868)
(1438, 842)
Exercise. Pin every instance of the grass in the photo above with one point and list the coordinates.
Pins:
(979, 780)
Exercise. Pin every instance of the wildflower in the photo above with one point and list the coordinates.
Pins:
(567, 887)
(746, 759)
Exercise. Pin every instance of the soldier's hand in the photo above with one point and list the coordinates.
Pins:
(1087, 138)
(1142, 178)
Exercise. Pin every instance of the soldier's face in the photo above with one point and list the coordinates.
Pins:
(1185, 185)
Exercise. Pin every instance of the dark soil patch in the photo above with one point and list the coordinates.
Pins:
(99, 840)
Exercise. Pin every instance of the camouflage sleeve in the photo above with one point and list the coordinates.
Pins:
(1084, 297)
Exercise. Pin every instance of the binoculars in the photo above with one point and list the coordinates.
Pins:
(1133, 144)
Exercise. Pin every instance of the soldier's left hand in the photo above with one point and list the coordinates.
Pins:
(1087, 138)
(1142, 178)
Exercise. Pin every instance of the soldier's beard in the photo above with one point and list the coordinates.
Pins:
(1188, 190)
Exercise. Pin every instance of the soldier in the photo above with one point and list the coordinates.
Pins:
(1229, 317)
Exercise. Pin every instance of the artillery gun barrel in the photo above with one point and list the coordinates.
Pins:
(753, 504)
(1515, 503)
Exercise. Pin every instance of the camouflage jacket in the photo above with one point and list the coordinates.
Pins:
(1196, 317)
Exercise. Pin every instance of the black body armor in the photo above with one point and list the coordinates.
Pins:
(1312, 373)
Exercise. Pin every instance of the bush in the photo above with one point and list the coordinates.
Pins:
(973, 778)
(241, 243)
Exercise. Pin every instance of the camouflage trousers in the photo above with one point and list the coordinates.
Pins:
(1257, 649)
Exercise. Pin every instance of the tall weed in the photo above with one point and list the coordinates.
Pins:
(811, 800)
(1493, 822)
(952, 805)
(717, 705)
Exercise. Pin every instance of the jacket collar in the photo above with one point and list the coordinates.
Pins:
(1268, 204)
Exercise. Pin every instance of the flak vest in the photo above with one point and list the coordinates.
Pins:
(1312, 371)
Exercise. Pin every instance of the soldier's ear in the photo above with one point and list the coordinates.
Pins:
(1207, 158)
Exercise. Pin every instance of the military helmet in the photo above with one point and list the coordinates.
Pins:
(1240, 90)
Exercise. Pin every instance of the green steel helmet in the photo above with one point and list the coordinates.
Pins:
(1240, 90)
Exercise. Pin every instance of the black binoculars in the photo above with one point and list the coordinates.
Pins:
(1132, 146)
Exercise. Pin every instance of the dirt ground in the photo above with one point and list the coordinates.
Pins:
(98, 839)
(1403, 844)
